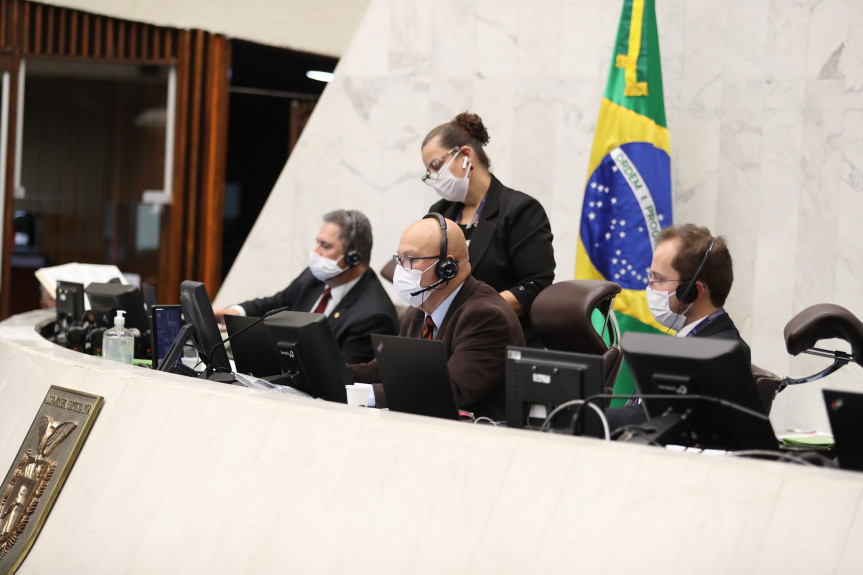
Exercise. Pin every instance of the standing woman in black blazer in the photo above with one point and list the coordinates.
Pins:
(508, 233)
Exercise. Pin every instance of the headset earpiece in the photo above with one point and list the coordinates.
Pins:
(687, 292)
(446, 268)
(352, 256)
(464, 164)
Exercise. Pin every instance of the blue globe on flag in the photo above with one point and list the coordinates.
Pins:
(626, 201)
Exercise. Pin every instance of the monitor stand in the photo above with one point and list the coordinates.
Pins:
(662, 430)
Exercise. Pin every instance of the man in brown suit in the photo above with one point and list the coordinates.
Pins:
(472, 320)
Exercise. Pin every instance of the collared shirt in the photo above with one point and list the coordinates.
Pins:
(698, 325)
(337, 294)
(439, 314)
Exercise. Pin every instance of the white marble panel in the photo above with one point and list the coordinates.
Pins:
(704, 39)
(853, 54)
(496, 38)
(412, 36)
(670, 19)
(585, 42)
(538, 29)
(828, 33)
(746, 38)
(368, 52)
(776, 242)
(819, 199)
(849, 258)
(787, 39)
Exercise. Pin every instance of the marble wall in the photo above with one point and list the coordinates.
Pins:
(764, 100)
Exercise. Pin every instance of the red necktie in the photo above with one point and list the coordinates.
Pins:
(325, 299)
(428, 330)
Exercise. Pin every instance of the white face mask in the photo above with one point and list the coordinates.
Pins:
(448, 186)
(660, 307)
(407, 281)
(325, 269)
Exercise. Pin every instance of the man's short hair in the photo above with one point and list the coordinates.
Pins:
(718, 272)
(355, 232)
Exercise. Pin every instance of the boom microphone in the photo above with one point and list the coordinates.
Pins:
(428, 287)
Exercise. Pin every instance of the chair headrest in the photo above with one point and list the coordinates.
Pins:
(824, 321)
(561, 314)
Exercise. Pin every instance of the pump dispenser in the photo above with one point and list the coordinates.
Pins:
(118, 343)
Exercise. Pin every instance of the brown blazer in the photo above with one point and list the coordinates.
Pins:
(475, 333)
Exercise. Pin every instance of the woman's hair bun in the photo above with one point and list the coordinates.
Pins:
(473, 126)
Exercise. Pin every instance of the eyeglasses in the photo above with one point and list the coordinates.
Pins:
(435, 166)
(651, 281)
(400, 261)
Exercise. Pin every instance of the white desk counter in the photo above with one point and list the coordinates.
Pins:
(186, 476)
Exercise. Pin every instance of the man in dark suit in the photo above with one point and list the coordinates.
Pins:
(474, 323)
(688, 282)
(338, 283)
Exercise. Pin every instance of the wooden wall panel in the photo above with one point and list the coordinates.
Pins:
(191, 227)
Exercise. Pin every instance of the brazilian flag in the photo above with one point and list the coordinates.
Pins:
(627, 198)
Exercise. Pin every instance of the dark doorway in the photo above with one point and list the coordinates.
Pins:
(270, 100)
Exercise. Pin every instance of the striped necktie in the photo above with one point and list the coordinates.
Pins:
(428, 330)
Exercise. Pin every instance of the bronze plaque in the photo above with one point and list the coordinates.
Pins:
(37, 474)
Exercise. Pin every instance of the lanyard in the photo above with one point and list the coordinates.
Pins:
(475, 215)
(706, 321)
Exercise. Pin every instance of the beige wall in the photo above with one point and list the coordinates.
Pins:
(322, 27)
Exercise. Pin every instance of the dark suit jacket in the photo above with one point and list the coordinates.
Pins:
(722, 327)
(511, 246)
(365, 309)
(478, 327)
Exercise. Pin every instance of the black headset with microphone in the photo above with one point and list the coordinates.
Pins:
(352, 256)
(687, 292)
(446, 268)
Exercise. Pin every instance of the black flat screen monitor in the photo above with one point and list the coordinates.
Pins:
(687, 372)
(166, 321)
(70, 303)
(198, 311)
(252, 347)
(107, 298)
(845, 410)
(309, 350)
(547, 379)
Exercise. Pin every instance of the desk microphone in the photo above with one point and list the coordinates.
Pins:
(428, 287)
(251, 325)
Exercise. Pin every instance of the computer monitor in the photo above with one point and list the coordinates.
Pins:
(198, 311)
(845, 410)
(309, 351)
(70, 304)
(540, 380)
(166, 321)
(697, 391)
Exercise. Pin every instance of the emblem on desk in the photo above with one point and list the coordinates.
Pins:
(44, 460)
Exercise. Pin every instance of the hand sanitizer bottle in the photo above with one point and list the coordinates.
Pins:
(118, 343)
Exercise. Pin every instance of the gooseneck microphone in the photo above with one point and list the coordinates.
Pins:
(251, 325)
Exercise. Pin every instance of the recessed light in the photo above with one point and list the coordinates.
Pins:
(319, 76)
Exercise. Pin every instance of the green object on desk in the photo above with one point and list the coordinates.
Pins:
(810, 441)
(144, 362)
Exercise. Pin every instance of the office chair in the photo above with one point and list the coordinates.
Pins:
(562, 318)
(823, 321)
